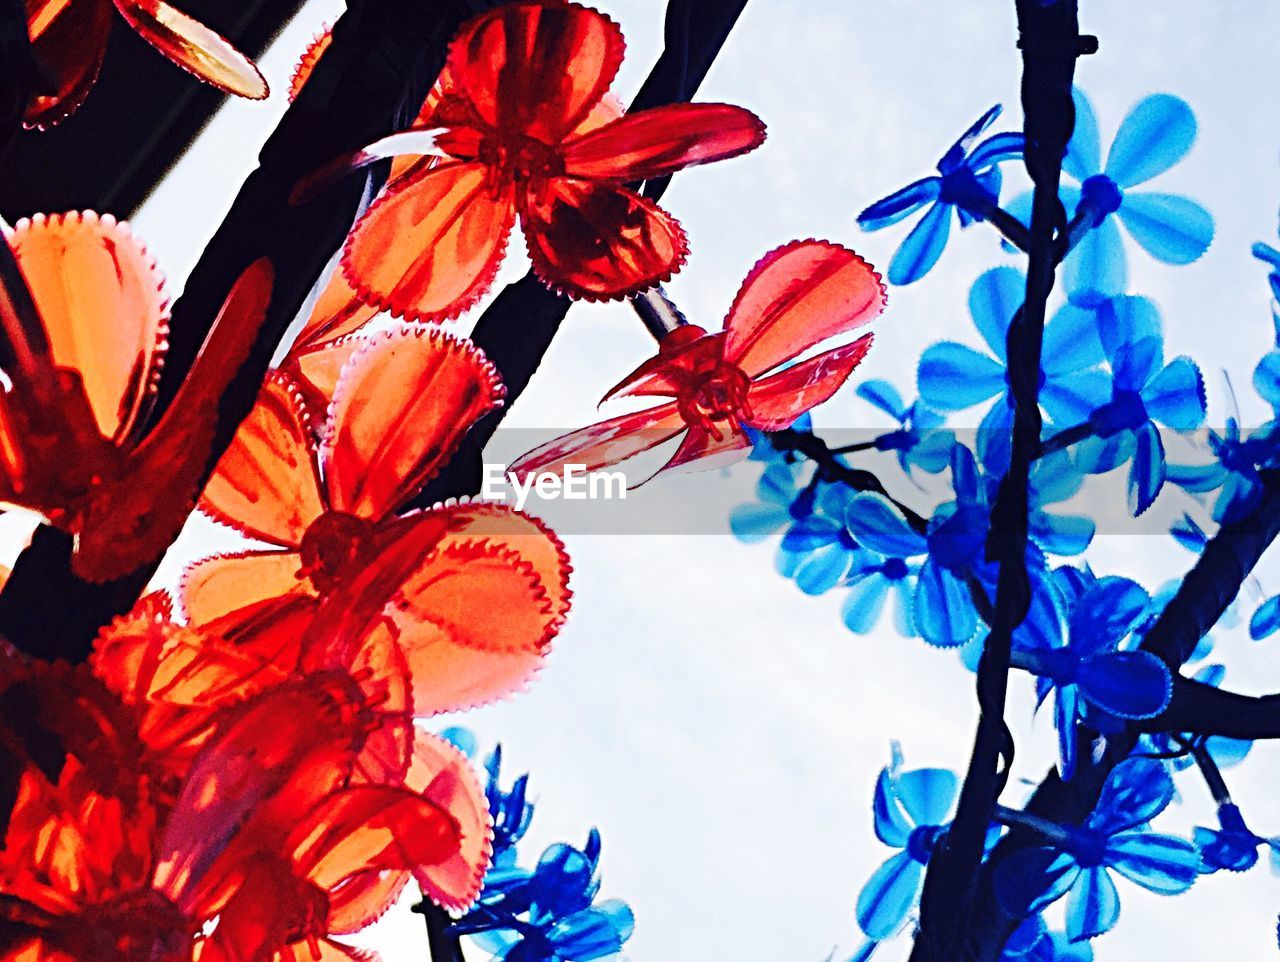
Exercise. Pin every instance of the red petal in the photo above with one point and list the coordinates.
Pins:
(776, 401)
(337, 313)
(403, 404)
(222, 584)
(706, 450)
(795, 297)
(431, 245)
(672, 369)
(536, 69)
(102, 302)
(316, 370)
(194, 47)
(599, 241)
(267, 483)
(606, 443)
(307, 62)
(443, 775)
(69, 39)
(653, 143)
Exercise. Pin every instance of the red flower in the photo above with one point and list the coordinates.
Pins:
(797, 296)
(70, 38)
(521, 137)
(74, 442)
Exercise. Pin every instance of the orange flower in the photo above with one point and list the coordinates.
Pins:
(74, 442)
(70, 38)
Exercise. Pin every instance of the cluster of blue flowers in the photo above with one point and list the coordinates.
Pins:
(547, 912)
(1111, 401)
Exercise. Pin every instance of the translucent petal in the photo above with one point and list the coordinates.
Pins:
(891, 822)
(956, 152)
(1070, 398)
(927, 794)
(775, 401)
(1197, 478)
(943, 610)
(1061, 534)
(953, 377)
(70, 40)
(1096, 269)
(1125, 321)
(1136, 791)
(900, 204)
(1266, 379)
(1084, 154)
(755, 522)
(1155, 135)
(1093, 905)
(1147, 473)
(1266, 620)
(823, 569)
(880, 526)
(1128, 684)
(885, 396)
(1170, 228)
(865, 602)
(1175, 397)
(593, 933)
(996, 149)
(606, 443)
(921, 249)
(1105, 613)
(890, 893)
(994, 299)
(1066, 710)
(1031, 878)
(1071, 341)
(1161, 863)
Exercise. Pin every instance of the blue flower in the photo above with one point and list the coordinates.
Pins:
(1231, 846)
(872, 578)
(778, 491)
(968, 181)
(912, 810)
(1234, 471)
(1269, 255)
(818, 551)
(953, 377)
(1084, 665)
(1155, 135)
(1145, 392)
(920, 441)
(1114, 838)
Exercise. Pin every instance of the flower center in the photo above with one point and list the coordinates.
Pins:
(895, 569)
(520, 159)
(714, 396)
(1102, 194)
(923, 840)
(332, 543)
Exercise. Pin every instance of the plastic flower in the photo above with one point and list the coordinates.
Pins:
(1114, 838)
(921, 441)
(968, 181)
(1232, 846)
(781, 501)
(953, 377)
(1085, 665)
(817, 550)
(1145, 393)
(1154, 135)
(796, 297)
(872, 578)
(526, 77)
(487, 590)
(75, 441)
(912, 810)
(70, 39)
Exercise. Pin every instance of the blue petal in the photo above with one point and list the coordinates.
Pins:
(955, 153)
(594, 933)
(1069, 399)
(927, 794)
(880, 526)
(1266, 378)
(1123, 322)
(1096, 269)
(921, 249)
(1061, 534)
(1128, 684)
(809, 534)
(823, 569)
(1175, 397)
(1266, 620)
(892, 825)
(1084, 155)
(1105, 612)
(463, 739)
(864, 603)
(1054, 478)
(889, 895)
(1136, 791)
(1093, 907)
(900, 204)
(755, 522)
(1228, 751)
(1071, 341)
(1100, 455)
(993, 300)
(996, 149)
(964, 474)
(885, 397)
(1032, 878)
(1197, 478)
(995, 437)
(777, 485)
(562, 882)
(1161, 863)
(953, 377)
(1147, 473)
(1170, 228)
(1156, 134)
(943, 611)
(1025, 937)
(1066, 709)
(1233, 851)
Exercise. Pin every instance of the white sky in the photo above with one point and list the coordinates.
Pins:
(723, 730)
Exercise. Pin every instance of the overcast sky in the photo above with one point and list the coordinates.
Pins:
(723, 730)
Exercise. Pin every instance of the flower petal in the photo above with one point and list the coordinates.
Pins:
(777, 400)
(994, 299)
(1161, 863)
(1155, 135)
(1175, 397)
(1096, 269)
(1128, 684)
(890, 893)
(901, 203)
(70, 40)
(1136, 791)
(920, 250)
(1084, 154)
(880, 526)
(927, 794)
(1093, 905)
(952, 377)
(1170, 228)
(604, 444)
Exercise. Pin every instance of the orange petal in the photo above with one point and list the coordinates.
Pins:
(102, 301)
(267, 483)
(604, 444)
(223, 584)
(536, 69)
(708, 450)
(307, 62)
(69, 39)
(194, 47)
(599, 241)
(337, 312)
(430, 246)
(403, 404)
(130, 521)
(657, 142)
(673, 369)
(776, 401)
(796, 296)
(316, 369)
(443, 775)
(325, 950)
